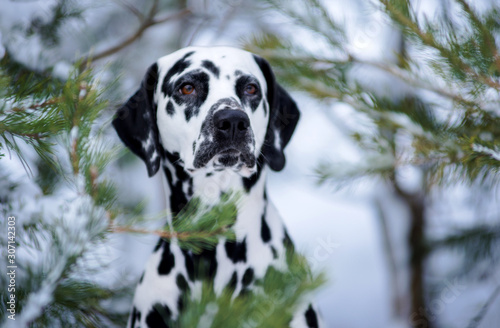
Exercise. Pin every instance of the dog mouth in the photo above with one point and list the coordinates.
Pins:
(233, 158)
(230, 158)
(230, 152)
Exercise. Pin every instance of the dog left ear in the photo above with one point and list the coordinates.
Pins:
(283, 118)
(135, 123)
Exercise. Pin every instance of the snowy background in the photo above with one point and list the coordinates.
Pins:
(338, 230)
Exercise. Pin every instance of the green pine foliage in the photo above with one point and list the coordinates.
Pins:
(461, 57)
(442, 119)
(272, 302)
(23, 93)
(60, 131)
(60, 121)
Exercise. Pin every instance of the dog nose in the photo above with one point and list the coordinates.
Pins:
(232, 124)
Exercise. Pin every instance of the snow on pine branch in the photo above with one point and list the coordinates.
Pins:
(493, 153)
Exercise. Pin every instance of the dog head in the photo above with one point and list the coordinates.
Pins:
(212, 109)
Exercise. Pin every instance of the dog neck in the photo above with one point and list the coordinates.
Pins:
(210, 186)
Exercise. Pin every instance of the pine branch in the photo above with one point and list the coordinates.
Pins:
(279, 53)
(403, 75)
(314, 16)
(489, 39)
(164, 234)
(428, 39)
(76, 106)
(440, 145)
(28, 110)
(272, 302)
(479, 244)
(197, 226)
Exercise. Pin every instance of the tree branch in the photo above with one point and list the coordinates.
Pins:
(132, 9)
(428, 39)
(146, 23)
(396, 72)
(397, 299)
(166, 234)
(488, 37)
(475, 322)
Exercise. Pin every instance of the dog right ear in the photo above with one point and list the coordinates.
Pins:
(135, 122)
(283, 118)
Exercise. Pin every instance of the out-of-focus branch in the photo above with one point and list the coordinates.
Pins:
(403, 75)
(146, 23)
(136, 12)
(394, 71)
(397, 297)
(416, 239)
(476, 321)
(428, 39)
(486, 32)
(165, 234)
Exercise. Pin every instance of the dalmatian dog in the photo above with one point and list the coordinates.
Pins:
(214, 120)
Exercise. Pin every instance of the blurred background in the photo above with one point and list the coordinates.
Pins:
(391, 182)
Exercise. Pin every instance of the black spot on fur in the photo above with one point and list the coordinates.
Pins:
(158, 245)
(248, 100)
(180, 303)
(182, 283)
(170, 108)
(178, 199)
(236, 251)
(247, 277)
(275, 253)
(289, 248)
(265, 232)
(188, 261)
(206, 264)
(194, 146)
(211, 67)
(311, 318)
(287, 241)
(248, 183)
(133, 317)
(244, 292)
(209, 174)
(141, 278)
(200, 266)
(167, 260)
(232, 283)
(159, 316)
(228, 77)
(180, 66)
(190, 189)
(238, 72)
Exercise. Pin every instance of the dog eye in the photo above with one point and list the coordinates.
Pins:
(251, 89)
(187, 89)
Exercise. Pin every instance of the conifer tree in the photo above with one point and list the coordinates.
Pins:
(66, 208)
(438, 117)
